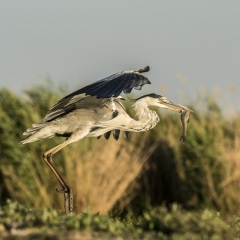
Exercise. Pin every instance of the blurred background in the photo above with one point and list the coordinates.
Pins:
(190, 46)
(50, 48)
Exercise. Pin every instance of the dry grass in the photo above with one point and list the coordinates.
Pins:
(203, 172)
(103, 176)
(100, 173)
(230, 184)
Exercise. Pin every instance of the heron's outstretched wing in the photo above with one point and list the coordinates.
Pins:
(66, 105)
(108, 87)
(115, 84)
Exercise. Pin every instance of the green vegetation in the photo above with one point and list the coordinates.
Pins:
(158, 223)
(151, 186)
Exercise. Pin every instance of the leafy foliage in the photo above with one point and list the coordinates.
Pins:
(157, 223)
(136, 177)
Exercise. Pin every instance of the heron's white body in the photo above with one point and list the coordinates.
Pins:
(93, 122)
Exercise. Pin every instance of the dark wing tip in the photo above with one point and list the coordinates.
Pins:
(113, 85)
(143, 70)
(107, 135)
(116, 134)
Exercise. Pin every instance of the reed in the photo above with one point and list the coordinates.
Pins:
(149, 169)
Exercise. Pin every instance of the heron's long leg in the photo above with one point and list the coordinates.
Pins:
(68, 197)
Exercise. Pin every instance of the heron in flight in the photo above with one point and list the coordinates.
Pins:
(97, 110)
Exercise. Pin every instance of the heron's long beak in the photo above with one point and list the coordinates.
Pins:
(175, 107)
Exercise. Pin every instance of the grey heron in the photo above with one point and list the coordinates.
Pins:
(96, 110)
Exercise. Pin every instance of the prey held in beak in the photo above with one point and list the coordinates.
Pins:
(185, 115)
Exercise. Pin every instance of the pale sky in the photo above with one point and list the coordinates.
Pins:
(191, 46)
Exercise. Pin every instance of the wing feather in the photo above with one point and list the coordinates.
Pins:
(108, 87)
(113, 85)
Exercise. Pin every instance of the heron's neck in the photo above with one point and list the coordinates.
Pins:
(146, 118)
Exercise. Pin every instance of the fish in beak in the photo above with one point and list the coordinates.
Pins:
(185, 114)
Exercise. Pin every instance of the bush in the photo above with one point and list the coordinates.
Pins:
(157, 223)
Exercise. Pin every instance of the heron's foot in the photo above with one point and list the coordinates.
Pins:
(68, 199)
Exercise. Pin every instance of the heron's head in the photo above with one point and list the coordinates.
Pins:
(161, 102)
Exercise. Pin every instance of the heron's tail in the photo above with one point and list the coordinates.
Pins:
(35, 133)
